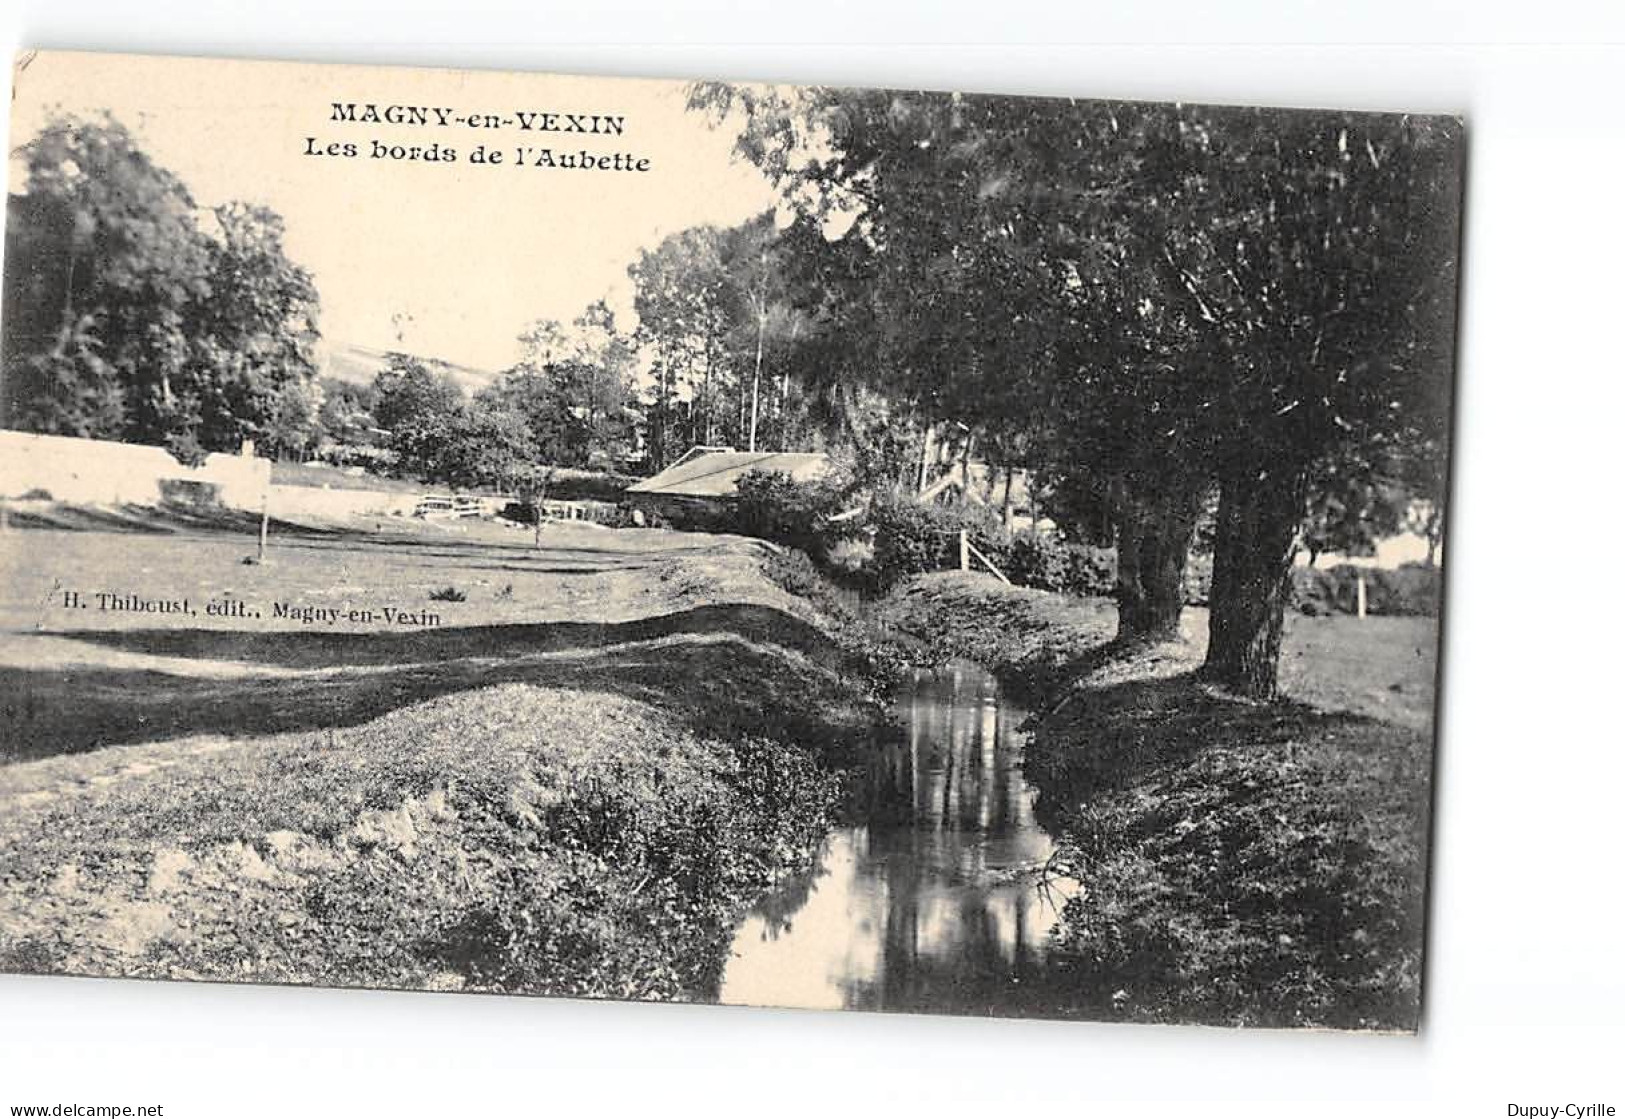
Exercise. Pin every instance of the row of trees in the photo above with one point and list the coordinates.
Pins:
(567, 402)
(720, 355)
(1161, 309)
(132, 314)
(721, 331)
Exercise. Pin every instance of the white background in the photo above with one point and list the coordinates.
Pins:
(1524, 995)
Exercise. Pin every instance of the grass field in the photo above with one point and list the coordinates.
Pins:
(572, 782)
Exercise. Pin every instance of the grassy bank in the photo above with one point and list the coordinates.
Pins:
(575, 784)
(1032, 640)
(1241, 864)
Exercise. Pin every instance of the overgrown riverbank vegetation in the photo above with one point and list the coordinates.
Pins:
(1240, 863)
(518, 838)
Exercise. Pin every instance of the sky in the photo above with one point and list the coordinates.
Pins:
(447, 260)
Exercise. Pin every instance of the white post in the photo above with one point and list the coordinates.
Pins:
(964, 550)
(1359, 595)
(265, 519)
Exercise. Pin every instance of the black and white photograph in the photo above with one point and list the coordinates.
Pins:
(691, 541)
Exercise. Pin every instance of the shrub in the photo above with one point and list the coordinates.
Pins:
(913, 539)
(1042, 561)
(520, 512)
(909, 540)
(795, 573)
(1039, 560)
(774, 506)
(586, 485)
(448, 594)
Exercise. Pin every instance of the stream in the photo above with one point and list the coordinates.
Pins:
(931, 901)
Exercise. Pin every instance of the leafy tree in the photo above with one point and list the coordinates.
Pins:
(997, 285)
(292, 422)
(1324, 250)
(253, 374)
(126, 320)
(422, 410)
(346, 411)
(678, 301)
(573, 388)
(1148, 300)
(1353, 503)
(104, 261)
(486, 445)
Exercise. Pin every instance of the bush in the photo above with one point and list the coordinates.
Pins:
(1039, 560)
(1049, 563)
(774, 506)
(1409, 590)
(588, 485)
(795, 573)
(913, 539)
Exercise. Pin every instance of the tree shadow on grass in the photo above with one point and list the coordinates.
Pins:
(1128, 734)
(722, 670)
(164, 520)
(317, 649)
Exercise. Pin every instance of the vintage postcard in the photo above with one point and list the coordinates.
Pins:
(769, 545)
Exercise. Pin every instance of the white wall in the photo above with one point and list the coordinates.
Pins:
(99, 472)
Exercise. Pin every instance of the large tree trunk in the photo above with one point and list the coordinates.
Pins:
(1260, 511)
(1153, 540)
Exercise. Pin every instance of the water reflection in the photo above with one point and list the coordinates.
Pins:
(931, 902)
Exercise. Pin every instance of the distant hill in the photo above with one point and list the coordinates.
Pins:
(359, 365)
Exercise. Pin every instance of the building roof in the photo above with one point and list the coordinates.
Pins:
(715, 473)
